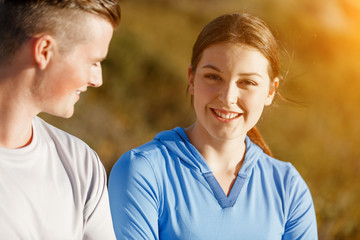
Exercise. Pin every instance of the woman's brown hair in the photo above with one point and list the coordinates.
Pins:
(240, 28)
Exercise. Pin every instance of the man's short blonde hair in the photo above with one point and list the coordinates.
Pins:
(22, 20)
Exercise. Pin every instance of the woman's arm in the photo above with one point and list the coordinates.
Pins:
(134, 198)
(301, 219)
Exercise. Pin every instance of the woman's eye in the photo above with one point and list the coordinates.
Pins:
(248, 82)
(212, 77)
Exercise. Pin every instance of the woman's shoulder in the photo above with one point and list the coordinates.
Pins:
(156, 157)
(141, 155)
(276, 166)
(149, 156)
(164, 145)
(282, 174)
(266, 164)
(275, 163)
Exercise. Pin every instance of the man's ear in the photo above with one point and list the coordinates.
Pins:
(43, 49)
(191, 81)
(273, 88)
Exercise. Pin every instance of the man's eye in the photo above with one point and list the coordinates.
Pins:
(97, 64)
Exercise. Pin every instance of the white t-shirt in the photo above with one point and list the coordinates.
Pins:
(54, 188)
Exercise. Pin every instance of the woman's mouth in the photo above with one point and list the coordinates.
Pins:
(225, 114)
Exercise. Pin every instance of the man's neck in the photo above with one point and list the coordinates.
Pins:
(16, 133)
(16, 114)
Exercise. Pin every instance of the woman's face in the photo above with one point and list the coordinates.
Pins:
(230, 87)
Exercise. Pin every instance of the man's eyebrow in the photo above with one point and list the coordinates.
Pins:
(102, 59)
(99, 59)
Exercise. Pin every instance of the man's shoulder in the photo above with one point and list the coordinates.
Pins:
(74, 153)
(46, 130)
(68, 147)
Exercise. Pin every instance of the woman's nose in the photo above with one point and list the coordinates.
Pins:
(229, 94)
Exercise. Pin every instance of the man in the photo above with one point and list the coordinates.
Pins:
(52, 185)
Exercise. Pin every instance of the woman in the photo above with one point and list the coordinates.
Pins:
(212, 180)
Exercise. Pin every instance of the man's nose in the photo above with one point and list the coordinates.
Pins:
(96, 77)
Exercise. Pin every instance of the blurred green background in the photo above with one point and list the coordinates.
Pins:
(145, 80)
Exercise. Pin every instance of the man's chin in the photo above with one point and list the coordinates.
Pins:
(63, 114)
(67, 115)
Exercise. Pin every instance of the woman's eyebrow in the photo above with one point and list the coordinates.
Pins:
(250, 74)
(246, 74)
(212, 67)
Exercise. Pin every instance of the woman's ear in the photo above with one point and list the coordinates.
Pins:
(191, 81)
(43, 50)
(273, 88)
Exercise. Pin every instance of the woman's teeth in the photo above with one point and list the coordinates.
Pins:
(226, 115)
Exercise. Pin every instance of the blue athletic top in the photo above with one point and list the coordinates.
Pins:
(165, 190)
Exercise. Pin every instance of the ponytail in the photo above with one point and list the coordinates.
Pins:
(256, 138)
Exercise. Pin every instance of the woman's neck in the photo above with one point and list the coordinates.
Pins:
(224, 156)
(219, 153)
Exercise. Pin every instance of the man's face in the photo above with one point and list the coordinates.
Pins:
(69, 74)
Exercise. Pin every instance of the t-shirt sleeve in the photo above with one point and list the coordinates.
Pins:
(134, 198)
(301, 219)
(97, 216)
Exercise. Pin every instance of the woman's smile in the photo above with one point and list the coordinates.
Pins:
(225, 116)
